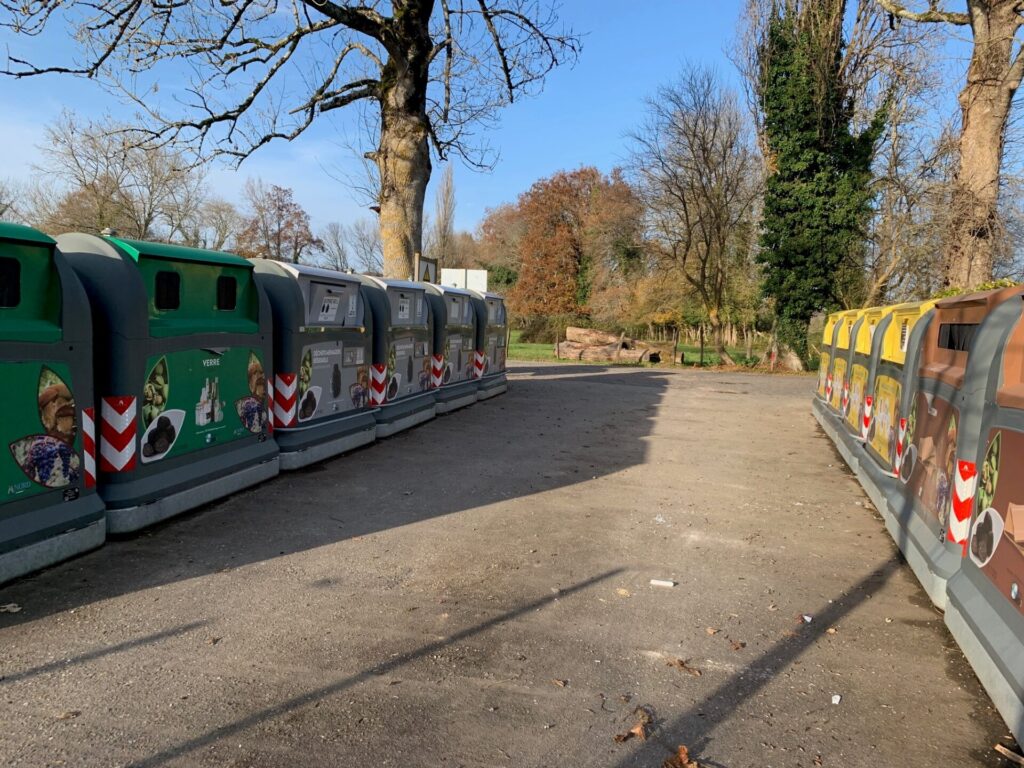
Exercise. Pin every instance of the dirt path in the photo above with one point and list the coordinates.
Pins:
(476, 593)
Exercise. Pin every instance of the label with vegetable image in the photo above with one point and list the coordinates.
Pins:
(858, 383)
(823, 372)
(885, 425)
(931, 457)
(40, 430)
(332, 379)
(196, 398)
(838, 377)
(997, 531)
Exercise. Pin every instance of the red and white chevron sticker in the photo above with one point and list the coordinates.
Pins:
(437, 371)
(964, 485)
(285, 390)
(378, 383)
(89, 446)
(901, 437)
(270, 406)
(865, 426)
(828, 387)
(479, 364)
(844, 403)
(118, 427)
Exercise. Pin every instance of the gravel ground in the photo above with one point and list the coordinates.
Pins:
(476, 592)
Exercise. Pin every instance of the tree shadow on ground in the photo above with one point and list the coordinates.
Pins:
(695, 728)
(532, 439)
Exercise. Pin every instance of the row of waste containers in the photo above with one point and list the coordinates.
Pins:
(925, 402)
(144, 379)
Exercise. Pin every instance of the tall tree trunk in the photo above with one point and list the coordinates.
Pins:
(992, 79)
(403, 157)
(404, 165)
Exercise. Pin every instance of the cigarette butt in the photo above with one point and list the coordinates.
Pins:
(662, 583)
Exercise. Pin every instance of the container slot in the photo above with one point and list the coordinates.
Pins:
(10, 282)
(957, 336)
(168, 291)
(227, 293)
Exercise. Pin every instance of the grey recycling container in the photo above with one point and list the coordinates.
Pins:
(183, 343)
(985, 604)
(400, 368)
(491, 344)
(321, 370)
(453, 325)
(49, 507)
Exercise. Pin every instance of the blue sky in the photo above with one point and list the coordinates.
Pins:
(581, 118)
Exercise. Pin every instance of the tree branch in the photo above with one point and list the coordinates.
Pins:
(933, 15)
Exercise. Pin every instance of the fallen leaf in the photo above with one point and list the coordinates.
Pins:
(712, 631)
(212, 640)
(560, 683)
(70, 714)
(683, 664)
(639, 730)
(622, 592)
(818, 761)
(738, 645)
(831, 631)
(10, 608)
(681, 759)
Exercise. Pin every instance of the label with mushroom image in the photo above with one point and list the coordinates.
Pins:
(40, 427)
(195, 398)
(252, 409)
(329, 380)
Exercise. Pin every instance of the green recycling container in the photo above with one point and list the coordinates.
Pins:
(183, 344)
(49, 508)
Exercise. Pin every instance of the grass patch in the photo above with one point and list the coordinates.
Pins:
(518, 350)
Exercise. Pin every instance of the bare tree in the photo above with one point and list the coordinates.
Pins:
(265, 69)
(441, 240)
(277, 227)
(141, 190)
(10, 200)
(365, 245)
(697, 173)
(993, 76)
(219, 223)
(334, 249)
